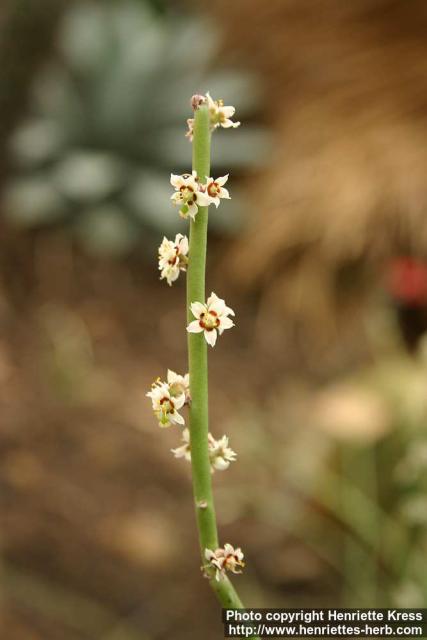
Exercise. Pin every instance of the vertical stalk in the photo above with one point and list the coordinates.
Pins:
(197, 347)
(198, 369)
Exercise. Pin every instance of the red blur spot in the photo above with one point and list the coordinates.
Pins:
(407, 281)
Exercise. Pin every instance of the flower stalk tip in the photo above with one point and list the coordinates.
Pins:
(219, 114)
(197, 100)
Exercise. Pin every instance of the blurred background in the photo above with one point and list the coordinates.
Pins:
(322, 252)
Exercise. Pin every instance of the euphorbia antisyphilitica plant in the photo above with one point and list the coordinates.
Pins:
(207, 319)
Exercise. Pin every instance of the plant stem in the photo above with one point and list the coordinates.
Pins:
(198, 369)
(197, 347)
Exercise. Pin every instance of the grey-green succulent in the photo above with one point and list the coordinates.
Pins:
(106, 126)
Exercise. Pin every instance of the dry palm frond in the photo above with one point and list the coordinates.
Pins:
(346, 89)
(348, 92)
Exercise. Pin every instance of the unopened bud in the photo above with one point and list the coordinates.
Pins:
(197, 100)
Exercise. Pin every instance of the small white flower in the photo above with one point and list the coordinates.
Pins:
(165, 405)
(179, 385)
(216, 190)
(220, 454)
(173, 257)
(188, 195)
(211, 318)
(184, 450)
(225, 559)
(220, 115)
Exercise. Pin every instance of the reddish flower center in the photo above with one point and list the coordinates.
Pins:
(209, 320)
(173, 260)
(167, 405)
(187, 193)
(213, 189)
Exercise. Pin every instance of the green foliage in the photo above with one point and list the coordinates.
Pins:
(105, 126)
(372, 496)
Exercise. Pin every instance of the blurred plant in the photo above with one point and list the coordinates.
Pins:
(369, 491)
(105, 125)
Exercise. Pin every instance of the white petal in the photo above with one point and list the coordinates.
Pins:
(229, 312)
(211, 103)
(225, 323)
(220, 464)
(192, 210)
(171, 376)
(222, 180)
(179, 401)
(191, 182)
(183, 246)
(228, 111)
(194, 327)
(203, 199)
(176, 181)
(238, 552)
(176, 417)
(216, 304)
(210, 337)
(197, 308)
(224, 193)
(228, 123)
(171, 273)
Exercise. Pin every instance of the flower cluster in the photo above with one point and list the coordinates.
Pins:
(211, 318)
(173, 258)
(224, 559)
(219, 114)
(190, 193)
(169, 397)
(220, 454)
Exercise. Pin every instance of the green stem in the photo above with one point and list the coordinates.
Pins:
(198, 369)
(197, 347)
